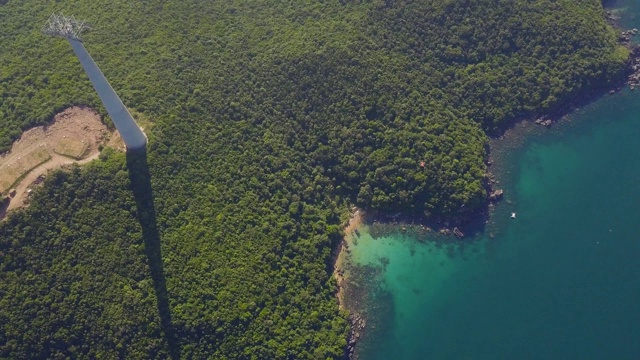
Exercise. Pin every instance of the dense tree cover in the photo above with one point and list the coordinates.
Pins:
(74, 278)
(270, 118)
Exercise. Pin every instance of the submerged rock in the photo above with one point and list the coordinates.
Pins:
(496, 195)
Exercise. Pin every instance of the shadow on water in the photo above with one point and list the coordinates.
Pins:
(140, 178)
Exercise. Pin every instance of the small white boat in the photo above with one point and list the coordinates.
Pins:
(513, 215)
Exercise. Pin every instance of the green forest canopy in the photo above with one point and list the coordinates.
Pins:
(271, 117)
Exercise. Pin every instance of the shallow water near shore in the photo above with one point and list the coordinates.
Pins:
(561, 281)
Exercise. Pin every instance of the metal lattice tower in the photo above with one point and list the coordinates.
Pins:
(70, 29)
(65, 26)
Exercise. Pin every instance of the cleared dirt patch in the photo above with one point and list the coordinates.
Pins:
(15, 168)
(74, 149)
(74, 136)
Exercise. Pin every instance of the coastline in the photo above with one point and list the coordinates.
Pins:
(514, 133)
(511, 136)
(340, 262)
(411, 305)
(341, 265)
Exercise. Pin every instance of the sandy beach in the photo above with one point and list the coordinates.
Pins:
(340, 272)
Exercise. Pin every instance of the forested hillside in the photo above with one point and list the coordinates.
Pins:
(271, 118)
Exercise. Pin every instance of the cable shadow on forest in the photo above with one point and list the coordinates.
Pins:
(140, 178)
(4, 206)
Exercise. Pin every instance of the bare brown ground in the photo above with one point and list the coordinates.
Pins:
(73, 137)
(339, 268)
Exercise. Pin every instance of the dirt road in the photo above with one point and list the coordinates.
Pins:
(73, 137)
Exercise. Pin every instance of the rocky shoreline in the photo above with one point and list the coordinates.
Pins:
(451, 230)
(358, 324)
(352, 292)
(630, 79)
(356, 321)
(632, 76)
(633, 80)
(625, 38)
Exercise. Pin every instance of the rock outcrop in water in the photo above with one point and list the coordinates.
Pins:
(357, 325)
(496, 195)
(625, 38)
(634, 78)
(543, 121)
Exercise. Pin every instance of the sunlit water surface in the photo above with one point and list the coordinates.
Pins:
(561, 281)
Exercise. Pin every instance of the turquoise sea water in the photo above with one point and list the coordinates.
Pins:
(562, 281)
